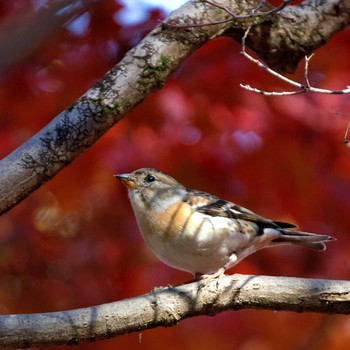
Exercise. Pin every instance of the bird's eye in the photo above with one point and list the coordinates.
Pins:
(150, 178)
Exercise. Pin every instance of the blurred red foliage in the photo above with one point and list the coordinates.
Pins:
(75, 243)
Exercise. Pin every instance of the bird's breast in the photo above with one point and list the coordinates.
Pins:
(189, 240)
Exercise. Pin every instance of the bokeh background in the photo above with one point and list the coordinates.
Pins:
(74, 242)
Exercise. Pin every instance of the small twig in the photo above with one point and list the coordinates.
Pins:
(276, 9)
(187, 26)
(263, 66)
(257, 7)
(306, 71)
(306, 87)
(225, 8)
(346, 141)
(270, 93)
(253, 13)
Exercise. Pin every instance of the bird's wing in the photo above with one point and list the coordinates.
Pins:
(211, 205)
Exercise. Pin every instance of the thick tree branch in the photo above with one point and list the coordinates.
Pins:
(285, 38)
(167, 306)
(279, 39)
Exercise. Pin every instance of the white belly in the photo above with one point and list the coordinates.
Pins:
(205, 246)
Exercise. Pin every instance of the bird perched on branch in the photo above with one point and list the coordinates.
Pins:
(198, 232)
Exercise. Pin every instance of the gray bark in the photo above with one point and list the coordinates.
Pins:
(167, 306)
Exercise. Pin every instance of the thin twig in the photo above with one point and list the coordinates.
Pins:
(276, 9)
(346, 141)
(172, 24)
(306, 87)
(306, 70)
(271, 93)
(263, 66)
(253, 13)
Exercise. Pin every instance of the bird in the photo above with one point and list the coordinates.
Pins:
(200, 233)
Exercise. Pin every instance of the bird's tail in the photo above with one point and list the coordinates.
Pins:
(304, 239)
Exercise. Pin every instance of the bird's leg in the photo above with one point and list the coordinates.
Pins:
(205, 279)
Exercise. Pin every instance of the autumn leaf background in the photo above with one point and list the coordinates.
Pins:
(75, 243)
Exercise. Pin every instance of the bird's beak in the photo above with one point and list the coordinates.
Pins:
(127, 180)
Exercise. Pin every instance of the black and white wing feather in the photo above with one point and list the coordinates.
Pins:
(211, 205)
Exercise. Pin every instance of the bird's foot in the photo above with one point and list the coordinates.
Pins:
(206, 279)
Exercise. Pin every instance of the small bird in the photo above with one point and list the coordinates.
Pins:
(198, 232)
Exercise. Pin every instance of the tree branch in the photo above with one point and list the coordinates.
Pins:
(167, 306)
(145, 68)
(303, 87)
(142, 70)
(286, 37)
